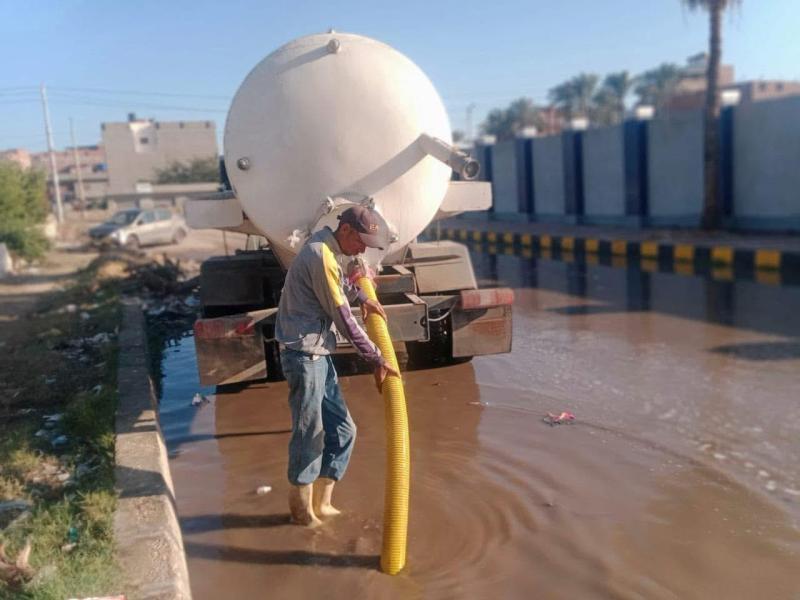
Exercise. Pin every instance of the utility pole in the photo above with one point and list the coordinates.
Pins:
(49, 132)
(81, 193)
(468, 132)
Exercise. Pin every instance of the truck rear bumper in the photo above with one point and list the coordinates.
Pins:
(230, 349)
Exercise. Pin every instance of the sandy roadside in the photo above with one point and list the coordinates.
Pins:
(19, 293)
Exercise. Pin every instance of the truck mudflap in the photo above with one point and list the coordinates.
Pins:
(231, 349)
(481, 322)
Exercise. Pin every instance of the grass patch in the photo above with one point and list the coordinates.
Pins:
(58, 391)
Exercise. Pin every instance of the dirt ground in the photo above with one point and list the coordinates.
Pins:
(71, 252)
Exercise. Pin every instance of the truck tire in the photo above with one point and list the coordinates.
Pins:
(272, 355)
(438, 352)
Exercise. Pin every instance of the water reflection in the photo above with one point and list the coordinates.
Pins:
(639, 286)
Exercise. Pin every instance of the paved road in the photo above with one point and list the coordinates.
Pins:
(680, 478)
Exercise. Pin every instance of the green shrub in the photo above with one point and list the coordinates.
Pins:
(23, 206)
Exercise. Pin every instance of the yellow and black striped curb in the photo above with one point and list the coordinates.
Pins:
(661, 251)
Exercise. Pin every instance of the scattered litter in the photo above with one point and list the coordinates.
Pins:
(60, 441)
(54, 418)
(263, 490)
(771, 485)
(15, 572)
(62, 477)
(763, 473)
(68, 547)
(792, 491)
(83, 469)
(85, 316)
(97, 389)
(199, 399)
(565, 418)
(100, 365)
(100, 338)
(72, 535)
(42, 433)
(11, 509)
(70, 308)
(49, 380)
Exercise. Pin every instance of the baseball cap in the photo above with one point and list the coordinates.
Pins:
(368, 224)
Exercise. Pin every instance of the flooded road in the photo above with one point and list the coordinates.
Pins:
(679, 479)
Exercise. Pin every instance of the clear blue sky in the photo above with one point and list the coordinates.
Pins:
(483, 52)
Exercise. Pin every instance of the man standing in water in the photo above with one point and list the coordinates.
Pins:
(315, 297)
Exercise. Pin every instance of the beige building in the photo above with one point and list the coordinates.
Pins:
(17, 155)
(690, 91)
(137, 149)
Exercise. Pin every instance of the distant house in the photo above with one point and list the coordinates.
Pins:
(690, 91)
(19, 156)
(138, 148)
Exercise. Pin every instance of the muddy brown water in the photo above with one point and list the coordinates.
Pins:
(679, 479)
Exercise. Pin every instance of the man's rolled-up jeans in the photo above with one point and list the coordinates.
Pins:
(323, 433)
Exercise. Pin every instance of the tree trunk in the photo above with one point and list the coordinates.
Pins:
(711, 208)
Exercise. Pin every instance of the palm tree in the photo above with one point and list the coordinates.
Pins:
(505, 123)
(563, 97)
(609, 101)
(656, 85)
(584, 86)
(711, 213)
(574, 97)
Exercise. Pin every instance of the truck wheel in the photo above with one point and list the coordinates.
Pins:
(272, 356)
(438, 352)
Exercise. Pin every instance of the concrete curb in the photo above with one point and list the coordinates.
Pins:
(697, 254)
(148, 536)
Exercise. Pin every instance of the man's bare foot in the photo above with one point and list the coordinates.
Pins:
(328, 510)
(325, 494)
(300, 506)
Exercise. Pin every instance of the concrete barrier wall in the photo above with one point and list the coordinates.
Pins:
(655, 177)
(548, 176)
(603, 174)
(766, 163)
(675, 167)
(505, 179)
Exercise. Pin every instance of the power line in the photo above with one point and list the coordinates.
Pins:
(132, 104)
(18, 88)
(139, 93)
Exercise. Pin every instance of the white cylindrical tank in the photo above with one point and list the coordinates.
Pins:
(335, 116)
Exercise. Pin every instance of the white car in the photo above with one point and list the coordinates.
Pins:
(141, 227)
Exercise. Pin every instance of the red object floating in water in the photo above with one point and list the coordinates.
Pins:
(564, 418)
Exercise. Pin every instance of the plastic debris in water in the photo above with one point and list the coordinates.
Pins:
(263, 489)
(199, 399)
(564, 418)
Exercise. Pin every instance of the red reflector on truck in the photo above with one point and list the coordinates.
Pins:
(223, 327)
(472, 299)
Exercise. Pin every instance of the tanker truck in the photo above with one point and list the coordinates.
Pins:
(326, 122)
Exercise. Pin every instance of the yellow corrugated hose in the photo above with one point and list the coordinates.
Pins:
(398, 459)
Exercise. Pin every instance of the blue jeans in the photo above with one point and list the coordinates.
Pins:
(323, 432)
